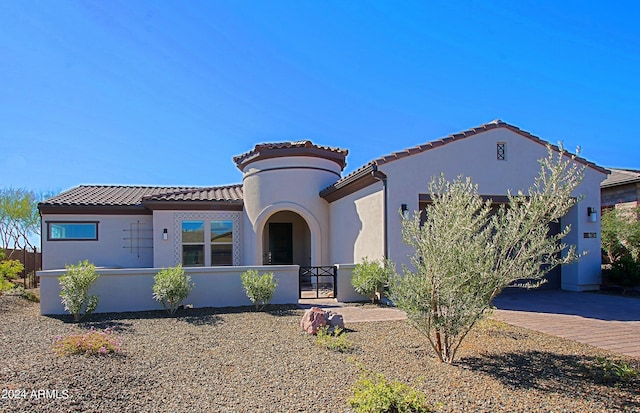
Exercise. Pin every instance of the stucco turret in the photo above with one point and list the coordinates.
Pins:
(281, 183)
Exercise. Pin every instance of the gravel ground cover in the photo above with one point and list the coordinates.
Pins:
(237, 360)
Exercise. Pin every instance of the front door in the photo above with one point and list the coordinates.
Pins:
(554, 277)
(281, 243)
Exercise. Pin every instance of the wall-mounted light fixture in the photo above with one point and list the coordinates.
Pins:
(405, 210)
(592, 213)
(165, 234)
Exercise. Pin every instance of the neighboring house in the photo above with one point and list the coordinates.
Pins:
(621, 189)
(295, 207)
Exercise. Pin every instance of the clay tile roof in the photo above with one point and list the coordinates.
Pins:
(621, 177)
(294, 148)
(107, 195)
(135, 196)
(216, 193)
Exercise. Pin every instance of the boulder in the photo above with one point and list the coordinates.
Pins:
(313, 319)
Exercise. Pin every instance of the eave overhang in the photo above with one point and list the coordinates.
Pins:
(351, 183)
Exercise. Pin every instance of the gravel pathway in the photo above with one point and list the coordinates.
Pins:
(236, 360)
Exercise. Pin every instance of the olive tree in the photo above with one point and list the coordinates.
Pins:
(466, 252)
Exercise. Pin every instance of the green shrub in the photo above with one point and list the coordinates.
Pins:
(19, 291)
(259, 288)
(616, 370)
(625, 272)
(9, 269)
(335, 340)
(620, 231)
(5, 285)
(75, 284)
(372, 393)
(171, 287)
(28, 295)
(91, 343)
(370, 278)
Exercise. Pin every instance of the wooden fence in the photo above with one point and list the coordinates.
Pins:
(32, 261)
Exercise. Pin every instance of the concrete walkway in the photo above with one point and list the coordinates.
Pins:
(608, 322)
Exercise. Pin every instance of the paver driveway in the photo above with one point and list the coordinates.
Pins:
(604, 321)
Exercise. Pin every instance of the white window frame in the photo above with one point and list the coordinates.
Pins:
(234, 217)
(202, 243)
(211, 243)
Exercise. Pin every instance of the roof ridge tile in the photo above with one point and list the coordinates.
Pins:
(335, 154)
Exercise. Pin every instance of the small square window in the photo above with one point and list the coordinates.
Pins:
(501, 151)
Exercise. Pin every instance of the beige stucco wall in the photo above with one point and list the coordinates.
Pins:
(287, 184)
(586, 273)
(113, 248)
(346, 293)
(131, 289)
(357, 226)
(167, 253)
(475, 157)
(163, 255)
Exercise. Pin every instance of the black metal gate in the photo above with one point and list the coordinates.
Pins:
(318, 282)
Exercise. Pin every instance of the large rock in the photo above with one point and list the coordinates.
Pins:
(313, 319)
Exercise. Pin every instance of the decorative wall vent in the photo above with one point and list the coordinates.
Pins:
(501, 151)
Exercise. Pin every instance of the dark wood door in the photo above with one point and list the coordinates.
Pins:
(553, 277)
(281, 243)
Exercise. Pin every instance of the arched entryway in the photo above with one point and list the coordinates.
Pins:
(286, 240)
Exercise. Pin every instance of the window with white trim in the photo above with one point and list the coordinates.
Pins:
(193, 243)
(207, 243)
(221, 243)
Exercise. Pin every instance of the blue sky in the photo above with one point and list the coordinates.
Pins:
(167, 92)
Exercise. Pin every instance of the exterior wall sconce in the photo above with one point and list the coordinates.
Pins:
(592, 214)
(405, 210)
(165, 234)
